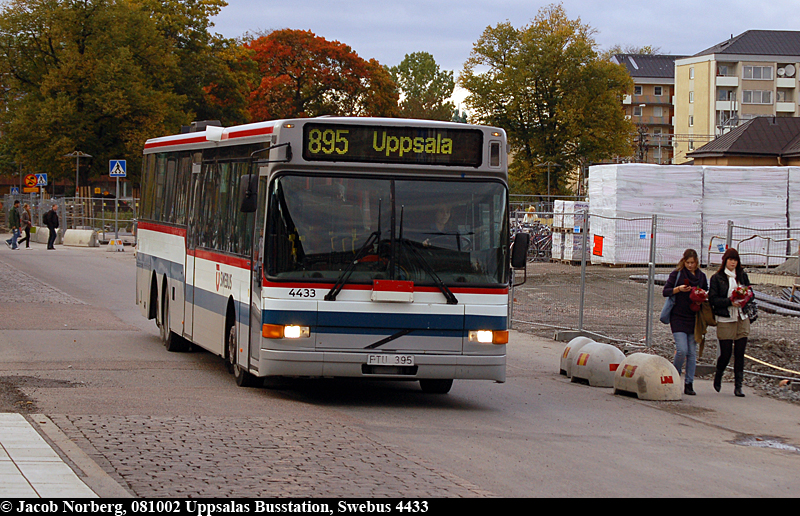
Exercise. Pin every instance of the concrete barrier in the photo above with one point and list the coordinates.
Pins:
(597, 364)
(648, 377)
(570, 354)
(41, 234)
(81, 238)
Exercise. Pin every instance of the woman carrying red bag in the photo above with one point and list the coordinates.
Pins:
(729, 292)
(687, 284)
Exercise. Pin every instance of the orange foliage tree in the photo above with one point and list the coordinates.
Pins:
(303, 75)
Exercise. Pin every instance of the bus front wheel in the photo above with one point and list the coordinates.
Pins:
(436, 386)
(243, 378)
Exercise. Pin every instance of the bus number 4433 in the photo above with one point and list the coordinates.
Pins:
(303, 292)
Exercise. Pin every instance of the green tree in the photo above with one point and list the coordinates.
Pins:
(424, 88)
(213, 72)
(88, 75)
(556, 98)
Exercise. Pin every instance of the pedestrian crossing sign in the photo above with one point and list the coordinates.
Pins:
(117, 168)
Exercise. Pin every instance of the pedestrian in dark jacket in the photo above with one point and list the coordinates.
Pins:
(51, 221)
(733, 325)
(13, 224)
(686, 276)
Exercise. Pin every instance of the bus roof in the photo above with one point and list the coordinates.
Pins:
(262, 130)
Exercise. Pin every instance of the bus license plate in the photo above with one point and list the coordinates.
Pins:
(391, 360)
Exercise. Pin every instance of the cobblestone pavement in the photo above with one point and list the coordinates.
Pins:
(254, 457)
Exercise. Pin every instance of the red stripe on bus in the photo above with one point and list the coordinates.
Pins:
(250, 132)
(160, 228)
(233, 261)
(168, 143)
(455, 290)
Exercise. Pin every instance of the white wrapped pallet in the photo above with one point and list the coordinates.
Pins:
(754, 197)
(573, 214)
(557, 249)
(794, 204)
(558, 215)
(637, 191)
(573, 246)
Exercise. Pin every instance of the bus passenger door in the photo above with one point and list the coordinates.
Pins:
(195, 184)
(257, 271)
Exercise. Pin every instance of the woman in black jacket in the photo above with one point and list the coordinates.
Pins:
(733, 325)
(686, 276)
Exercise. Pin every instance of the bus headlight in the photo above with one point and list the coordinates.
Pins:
(489, 336)
(279, 331)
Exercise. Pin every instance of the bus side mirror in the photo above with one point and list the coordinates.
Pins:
(248, 193)
(519, 250)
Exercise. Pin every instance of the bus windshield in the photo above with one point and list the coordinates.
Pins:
(399, 229)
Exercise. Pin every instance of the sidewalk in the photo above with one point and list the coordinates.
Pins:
(30, 468)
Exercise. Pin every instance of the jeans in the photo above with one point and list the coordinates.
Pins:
(13, 240)
(685, 350)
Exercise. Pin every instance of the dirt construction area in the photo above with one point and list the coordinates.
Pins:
(615, 306)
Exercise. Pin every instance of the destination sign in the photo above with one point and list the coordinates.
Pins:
(392, 144)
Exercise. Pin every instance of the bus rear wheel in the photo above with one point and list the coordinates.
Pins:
(436, 386)
(173, 342)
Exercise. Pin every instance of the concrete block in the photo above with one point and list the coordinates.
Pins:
(81, 238)
(570, 354)
(597, 364)
(648, 377)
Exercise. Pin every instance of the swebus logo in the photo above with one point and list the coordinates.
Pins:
(224, 280)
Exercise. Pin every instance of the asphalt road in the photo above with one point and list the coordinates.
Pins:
(74, 347)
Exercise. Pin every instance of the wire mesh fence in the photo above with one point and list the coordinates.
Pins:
(97, 213)
(612, 284)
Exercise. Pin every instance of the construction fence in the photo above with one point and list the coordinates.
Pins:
(98, 213)
(605, 275)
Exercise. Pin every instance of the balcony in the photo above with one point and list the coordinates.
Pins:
(725, 105)
(651, 120)
(730, 81)
(785, 82)
(785, 107)
(665, 100)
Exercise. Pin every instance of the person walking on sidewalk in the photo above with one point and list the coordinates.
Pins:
(51, 221)
(680, 283)
(25, 225)
(733, 325)
(13, 223)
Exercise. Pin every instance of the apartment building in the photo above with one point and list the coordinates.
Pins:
(651, 106)
(750, 75)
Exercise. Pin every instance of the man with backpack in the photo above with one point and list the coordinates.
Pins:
(50, 220)
(13, 223)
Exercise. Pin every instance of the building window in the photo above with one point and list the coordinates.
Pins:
(658, 111)
(783, 96)
(691, 144)
(637, 90)
(637, 110)
(757, 97)
(691, 73)
(725, 70)
(658, 91)
(723, 94)
(691, 120)
(759, 73)
(691, 97)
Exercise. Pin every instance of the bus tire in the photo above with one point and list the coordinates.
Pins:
(243, 378)
(436, 386)
(173, 342)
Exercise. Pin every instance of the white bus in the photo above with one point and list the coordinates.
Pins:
(330, 247)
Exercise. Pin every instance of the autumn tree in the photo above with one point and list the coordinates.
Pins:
(303, 75)
(88, 75)
(559, 102)
(425, 89)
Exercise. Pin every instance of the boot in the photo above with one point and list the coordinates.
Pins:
(718, 380)
(737, 385)
(687, 389)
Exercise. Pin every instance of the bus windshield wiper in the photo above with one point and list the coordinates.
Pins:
(340, 282)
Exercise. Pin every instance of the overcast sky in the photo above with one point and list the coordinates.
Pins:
(387, 31)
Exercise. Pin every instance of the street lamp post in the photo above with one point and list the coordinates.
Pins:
(77, 155)
(548, 164)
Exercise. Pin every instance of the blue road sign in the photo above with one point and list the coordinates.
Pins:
(117, 167)
(41, 179)
(14, 190)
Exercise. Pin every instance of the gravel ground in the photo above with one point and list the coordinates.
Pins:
(615, 306)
